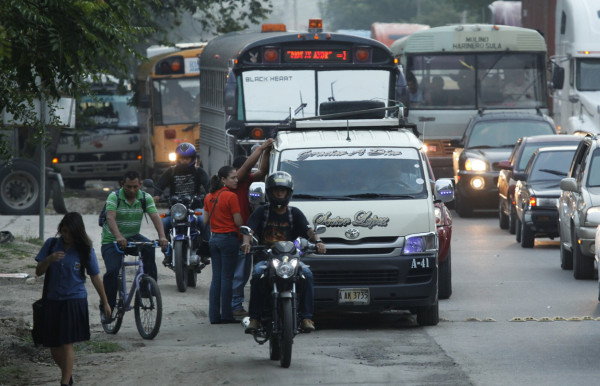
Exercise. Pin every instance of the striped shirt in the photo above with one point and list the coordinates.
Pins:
(129, 216)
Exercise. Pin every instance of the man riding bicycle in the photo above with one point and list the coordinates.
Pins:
(124, 213)
(279, 222)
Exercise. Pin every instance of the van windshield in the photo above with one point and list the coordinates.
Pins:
(355, 173)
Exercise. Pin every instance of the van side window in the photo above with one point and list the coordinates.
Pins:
(563, 23)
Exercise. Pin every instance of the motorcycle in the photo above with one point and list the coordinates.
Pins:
(185, 238)
(280, 323)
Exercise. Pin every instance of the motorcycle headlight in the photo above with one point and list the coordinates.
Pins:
(426, 242)
(179, 212)
(286, 269)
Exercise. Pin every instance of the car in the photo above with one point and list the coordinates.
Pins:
(536, 197)
(443, 222)
(489, 139)
(595, 217)
(579, 199)
(513, 170)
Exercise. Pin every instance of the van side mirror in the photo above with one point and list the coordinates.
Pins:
(558, 77)
(256, 194)
(444, 190)
(505, 165)
(457, 142)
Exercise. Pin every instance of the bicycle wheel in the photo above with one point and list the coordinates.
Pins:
(179, 255)
(287, 333)
(117, 313)
(148, 307)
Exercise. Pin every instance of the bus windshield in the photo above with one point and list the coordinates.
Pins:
(107, 112)
(176, 100)
(355, 172)
(268, 95)
(479, 80)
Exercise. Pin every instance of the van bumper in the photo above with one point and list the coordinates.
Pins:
(402, 282)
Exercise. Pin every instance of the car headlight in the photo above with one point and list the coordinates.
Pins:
(179, 212)
(285, 268)
(426, 242)
(475, 165)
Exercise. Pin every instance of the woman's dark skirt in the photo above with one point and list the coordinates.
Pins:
(66, 321)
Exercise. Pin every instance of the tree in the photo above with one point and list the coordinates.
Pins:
(48, 47)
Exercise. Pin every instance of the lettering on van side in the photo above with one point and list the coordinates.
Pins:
(348, 153)
(362, 218)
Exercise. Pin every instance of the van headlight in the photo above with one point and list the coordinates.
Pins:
(179, 212)
(420, 243)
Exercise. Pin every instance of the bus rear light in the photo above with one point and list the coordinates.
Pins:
(257, 133)
(55, 160)
(362, 55)
(170, 133)
(169, 66)
(274, 27)
(271, 55)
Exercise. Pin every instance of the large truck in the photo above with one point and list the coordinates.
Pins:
(572, 33)
(21, 179)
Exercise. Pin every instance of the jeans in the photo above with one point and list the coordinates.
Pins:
(240, 278)
(112, 261)
(259, 292)
(224, 249)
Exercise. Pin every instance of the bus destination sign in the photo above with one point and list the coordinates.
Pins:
(316, 56)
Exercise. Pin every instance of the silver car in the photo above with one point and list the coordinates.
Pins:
(579, 198)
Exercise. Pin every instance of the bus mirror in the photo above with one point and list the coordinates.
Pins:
(558, 77)
(145, 102)
(229, 97)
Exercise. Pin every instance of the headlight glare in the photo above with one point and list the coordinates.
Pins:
(287, 268)
(475, 165)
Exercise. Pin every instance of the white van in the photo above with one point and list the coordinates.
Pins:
(368, 182)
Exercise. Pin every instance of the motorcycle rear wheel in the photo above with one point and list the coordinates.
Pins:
(287, 333)
(181, 276)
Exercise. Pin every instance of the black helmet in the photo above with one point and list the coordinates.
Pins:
(279, 179)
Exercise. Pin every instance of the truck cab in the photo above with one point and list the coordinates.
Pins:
(368, 182)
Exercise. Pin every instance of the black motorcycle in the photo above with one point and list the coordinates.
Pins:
(185, 238)
(280, 322)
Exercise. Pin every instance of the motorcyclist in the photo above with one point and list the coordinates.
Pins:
(184, 178)
(272, 222)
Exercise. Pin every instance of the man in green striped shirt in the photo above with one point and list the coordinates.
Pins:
(123, 222)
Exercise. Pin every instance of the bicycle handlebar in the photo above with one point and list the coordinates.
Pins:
(153, 243)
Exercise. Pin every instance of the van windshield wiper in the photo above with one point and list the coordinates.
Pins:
(318, 197)
(378, 195)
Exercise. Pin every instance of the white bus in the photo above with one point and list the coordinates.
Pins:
(453, 72)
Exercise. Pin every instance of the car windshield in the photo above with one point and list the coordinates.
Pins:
(505, 133)
(529, 148)
(594, 170)
(551, 165)
(355, 173)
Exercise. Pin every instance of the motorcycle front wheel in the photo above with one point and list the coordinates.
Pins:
(181, 275)
(148, 307)
(287, 333)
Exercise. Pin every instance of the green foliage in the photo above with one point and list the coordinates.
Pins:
(47, 48)
(98, 346)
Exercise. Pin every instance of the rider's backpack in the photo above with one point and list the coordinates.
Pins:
(102, 215)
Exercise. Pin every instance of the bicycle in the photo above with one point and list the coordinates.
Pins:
(144, 289)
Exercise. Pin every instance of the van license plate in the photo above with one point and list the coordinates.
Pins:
(356, 296)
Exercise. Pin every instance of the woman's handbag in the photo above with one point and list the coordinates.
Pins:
(204, 249)
(37, 332)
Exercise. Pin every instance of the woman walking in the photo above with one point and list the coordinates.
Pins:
(222, 210)
(66, 320)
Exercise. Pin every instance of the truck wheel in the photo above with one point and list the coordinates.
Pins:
(518, 230)
(429, 315)
(566, 256)
(512, 220)
(58, 200)
(583, 266)
(20, 188)
(445, 277)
